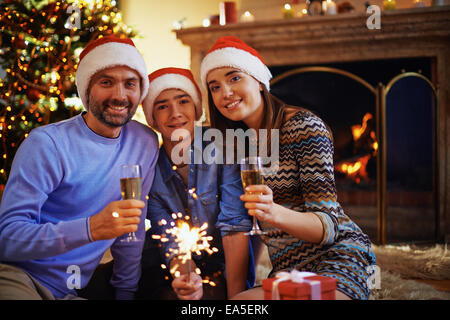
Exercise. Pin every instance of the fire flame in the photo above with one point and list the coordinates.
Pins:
(356, 170)
(358, 130)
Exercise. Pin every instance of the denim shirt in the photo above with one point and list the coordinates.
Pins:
(212, 196)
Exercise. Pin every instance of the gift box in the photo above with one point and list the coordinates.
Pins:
(299, 286)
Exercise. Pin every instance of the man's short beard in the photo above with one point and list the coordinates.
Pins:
(103, 116)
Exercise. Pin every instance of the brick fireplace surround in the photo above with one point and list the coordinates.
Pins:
(408, 33)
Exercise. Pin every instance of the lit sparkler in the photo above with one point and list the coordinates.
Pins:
(189, 240)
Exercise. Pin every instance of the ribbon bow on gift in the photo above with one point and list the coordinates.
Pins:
(298, 277)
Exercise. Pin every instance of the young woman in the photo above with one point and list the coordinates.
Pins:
(305, 226)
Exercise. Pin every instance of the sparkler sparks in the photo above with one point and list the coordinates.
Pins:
(189, 240)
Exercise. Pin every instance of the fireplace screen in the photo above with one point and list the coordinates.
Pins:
(410, 118)
(385, 146)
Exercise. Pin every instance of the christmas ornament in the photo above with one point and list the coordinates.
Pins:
(314, 7)
(33, 95)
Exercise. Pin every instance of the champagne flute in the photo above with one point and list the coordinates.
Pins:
(131, 187)
(251, 174)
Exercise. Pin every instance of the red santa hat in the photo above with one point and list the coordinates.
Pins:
(107, 52)
(229, 51)
(171, 78)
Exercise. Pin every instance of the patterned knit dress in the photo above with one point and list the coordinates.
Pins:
(305, 183)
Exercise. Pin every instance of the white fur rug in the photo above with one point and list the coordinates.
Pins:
(393, 287)
(412, 262)
(398, 265)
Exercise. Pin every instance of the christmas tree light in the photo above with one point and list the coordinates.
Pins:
(40, 43)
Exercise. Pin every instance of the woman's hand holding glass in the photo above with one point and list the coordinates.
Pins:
(259, 202)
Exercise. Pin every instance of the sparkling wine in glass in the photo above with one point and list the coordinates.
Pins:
(131, 188)
(251, 174)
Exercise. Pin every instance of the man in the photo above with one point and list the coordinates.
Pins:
(61, 208)
(202, 193)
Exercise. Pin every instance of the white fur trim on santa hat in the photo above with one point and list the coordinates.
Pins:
(108, 55)
(170, 81)
(235, 58)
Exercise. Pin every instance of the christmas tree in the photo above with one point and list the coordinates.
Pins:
(40, 43)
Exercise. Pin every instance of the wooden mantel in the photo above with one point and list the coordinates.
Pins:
(339, 38)
(408, 33)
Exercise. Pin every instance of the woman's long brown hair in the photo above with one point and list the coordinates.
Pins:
(275, 113)
(274, 110)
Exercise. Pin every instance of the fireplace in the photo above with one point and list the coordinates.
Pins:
(384, 93)
(352, 108)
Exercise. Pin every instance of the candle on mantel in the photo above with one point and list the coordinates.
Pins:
(206, 22)
(247, 17)
(419, 3)
(301, 13)
(389, 4)
(288, 12)
(299, 9)
(329, 7)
